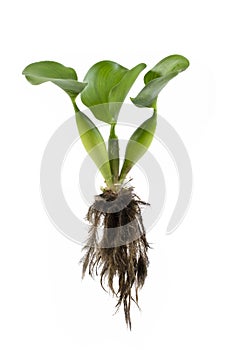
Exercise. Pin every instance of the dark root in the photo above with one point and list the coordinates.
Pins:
(120, 255)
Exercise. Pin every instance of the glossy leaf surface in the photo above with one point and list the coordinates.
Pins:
(108, 82)
(158, 77)
(49, 71)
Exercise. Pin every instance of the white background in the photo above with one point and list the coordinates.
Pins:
(187, 299)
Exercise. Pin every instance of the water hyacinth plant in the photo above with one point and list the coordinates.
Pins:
(120, 253)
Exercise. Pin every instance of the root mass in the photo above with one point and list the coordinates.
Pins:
(119, 256)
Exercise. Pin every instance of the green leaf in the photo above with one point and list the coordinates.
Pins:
(64, 77)
(157, 78)
(108, 82)
(138, 144)
(94, 144)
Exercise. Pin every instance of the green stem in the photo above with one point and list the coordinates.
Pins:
(113, 153)
(76, 109)
(138, 144)
(94, 144)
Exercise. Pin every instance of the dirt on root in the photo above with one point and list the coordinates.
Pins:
(119, 256)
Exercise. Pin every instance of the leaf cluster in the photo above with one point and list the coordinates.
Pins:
(103, 90)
